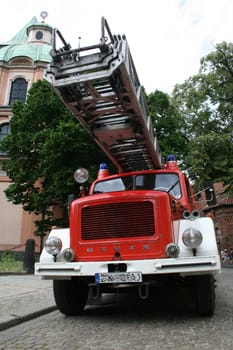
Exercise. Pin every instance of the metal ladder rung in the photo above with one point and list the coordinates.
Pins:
(100, 85)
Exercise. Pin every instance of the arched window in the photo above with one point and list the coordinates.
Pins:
(4, 130)
(18, 91)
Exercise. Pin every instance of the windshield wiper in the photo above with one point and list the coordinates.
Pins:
(174, 185)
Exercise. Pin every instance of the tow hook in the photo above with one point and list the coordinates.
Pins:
(143, 290)
(94, 292)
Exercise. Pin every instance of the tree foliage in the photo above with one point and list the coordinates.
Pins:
(45, 147)
(168, 123)
(205, 102)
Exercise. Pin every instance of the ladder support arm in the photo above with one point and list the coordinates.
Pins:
(100, 85)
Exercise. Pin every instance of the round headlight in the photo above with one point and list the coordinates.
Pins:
(53, 245)
(172, 250)
(192, 238)
(81, 175)
(68, 254)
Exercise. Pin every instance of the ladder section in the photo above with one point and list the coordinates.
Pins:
(99, 84)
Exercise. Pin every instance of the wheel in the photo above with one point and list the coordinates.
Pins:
(70, 296)
(205, 294)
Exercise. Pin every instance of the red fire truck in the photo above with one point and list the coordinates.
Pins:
(139, 227)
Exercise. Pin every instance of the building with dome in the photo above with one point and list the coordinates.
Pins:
(22, 62)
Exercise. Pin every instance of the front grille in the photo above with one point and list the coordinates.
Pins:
(118, 220)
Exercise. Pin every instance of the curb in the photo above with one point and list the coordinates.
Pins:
(9, 273)
(20, 319)
(227, 266)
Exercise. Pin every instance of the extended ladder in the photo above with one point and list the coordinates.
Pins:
(99, 84)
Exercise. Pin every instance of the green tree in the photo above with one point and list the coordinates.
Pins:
(205, 102)
(168, 124)
(45, 147)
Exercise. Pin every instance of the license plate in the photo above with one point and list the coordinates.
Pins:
(118, 277)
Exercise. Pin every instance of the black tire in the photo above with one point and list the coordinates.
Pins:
(205, 294)
(70, 296)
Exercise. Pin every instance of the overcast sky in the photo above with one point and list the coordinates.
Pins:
(167, 38)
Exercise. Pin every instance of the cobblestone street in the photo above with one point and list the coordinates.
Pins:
(169, 324)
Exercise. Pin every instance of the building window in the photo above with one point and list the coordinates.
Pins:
(18, 91)
(2, 172)
(4, 130)
(39, 35)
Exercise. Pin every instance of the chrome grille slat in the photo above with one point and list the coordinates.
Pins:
(118, 220)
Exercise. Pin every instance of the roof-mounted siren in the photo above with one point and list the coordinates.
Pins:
(171, 162)
(103, 171)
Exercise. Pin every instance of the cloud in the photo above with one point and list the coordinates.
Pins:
(167, 38)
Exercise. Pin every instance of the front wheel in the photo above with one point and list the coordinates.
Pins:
(70, 296)
(205, 294)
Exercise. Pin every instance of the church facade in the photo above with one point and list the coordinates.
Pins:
(22, 62)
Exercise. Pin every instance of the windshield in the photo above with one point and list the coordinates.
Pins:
(168, 182)
(160, 182)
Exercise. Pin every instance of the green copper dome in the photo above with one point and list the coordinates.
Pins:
(19, 45)
(33, 51)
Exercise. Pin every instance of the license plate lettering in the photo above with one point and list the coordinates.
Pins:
(118, 277)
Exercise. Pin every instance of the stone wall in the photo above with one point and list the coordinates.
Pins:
(223, 220)
(222, 214)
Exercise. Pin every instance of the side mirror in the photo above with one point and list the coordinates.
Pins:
(210, 197)
(210, 194)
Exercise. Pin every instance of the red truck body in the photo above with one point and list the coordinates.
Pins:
(128, 224)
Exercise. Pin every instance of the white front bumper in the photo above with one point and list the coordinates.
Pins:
(183, 266)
